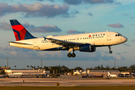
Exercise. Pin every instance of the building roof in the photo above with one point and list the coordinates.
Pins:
(103, 70)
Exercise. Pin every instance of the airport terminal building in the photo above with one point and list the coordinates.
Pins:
(42, 73)
(27, 73)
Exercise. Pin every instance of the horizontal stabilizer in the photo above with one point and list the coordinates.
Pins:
(19, 43)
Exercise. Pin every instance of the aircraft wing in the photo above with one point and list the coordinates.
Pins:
(65, 43)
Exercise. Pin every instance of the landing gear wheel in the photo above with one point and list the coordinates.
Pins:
(69, 54)
(73, 55)
(110, 52)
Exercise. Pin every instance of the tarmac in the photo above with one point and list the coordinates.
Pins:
(65, 82)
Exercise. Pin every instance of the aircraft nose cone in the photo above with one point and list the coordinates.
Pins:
(124, 39)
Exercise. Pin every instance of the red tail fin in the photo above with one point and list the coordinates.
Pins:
(19, 31)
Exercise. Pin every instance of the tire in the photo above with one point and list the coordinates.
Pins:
(73, 55)
(69, 54)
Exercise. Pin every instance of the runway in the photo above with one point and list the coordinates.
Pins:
(65, 82)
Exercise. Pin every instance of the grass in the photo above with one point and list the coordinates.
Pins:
(69, 88)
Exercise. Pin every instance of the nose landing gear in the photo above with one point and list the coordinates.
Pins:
(110, 51)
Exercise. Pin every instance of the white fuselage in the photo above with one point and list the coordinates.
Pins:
(98, 39)
(112, 75)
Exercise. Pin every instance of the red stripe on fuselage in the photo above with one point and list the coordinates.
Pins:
(21, 30)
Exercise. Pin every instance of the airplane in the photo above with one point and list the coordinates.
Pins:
(87, 42)
(112, 75)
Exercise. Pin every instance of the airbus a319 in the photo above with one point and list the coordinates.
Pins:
(87, 42)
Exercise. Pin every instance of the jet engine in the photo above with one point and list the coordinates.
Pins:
(87, 48)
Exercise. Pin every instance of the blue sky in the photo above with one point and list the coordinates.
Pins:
(63, 17)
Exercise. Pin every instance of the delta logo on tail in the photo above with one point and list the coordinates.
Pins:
(19, 31)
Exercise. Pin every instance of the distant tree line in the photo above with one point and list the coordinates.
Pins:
(63, 69)
(122, 68)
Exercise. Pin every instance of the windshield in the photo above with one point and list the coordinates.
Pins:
(118, 34)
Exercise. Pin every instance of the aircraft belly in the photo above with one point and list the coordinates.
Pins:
(110, 43)
(48, 46)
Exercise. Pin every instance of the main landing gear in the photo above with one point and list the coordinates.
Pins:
(110, 51)
(71, 55)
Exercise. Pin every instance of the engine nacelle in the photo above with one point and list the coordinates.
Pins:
(87, 48)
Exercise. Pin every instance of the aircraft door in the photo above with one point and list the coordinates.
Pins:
(108, 36)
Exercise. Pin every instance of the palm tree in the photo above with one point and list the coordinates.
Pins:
(38, 67)
(15, 66)
(27, 66)
(31, 66)
(107, 67)
(46, 68)
(34, 67)
(52, 69)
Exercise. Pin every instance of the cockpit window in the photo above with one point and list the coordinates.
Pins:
(118, 35)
